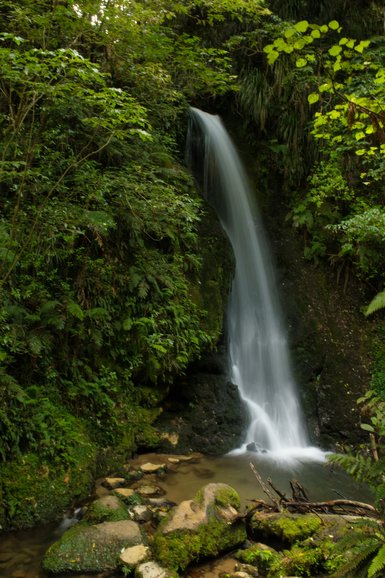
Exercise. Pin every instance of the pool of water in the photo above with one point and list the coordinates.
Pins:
(21, 552)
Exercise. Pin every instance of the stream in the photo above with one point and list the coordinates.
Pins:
(21, 552)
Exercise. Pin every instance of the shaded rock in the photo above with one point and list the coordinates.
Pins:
(106, 509)
(97, 548)
(135, 555)
(205, 526)
(204, 412)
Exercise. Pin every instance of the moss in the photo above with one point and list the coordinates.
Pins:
(299, 561)
(287, 527)
(178, 549)
(34, 491)
(81, 550)
(261, 558)
(107, 509)
(227, 497)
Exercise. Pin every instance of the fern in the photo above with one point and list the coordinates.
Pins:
(378, 563)
(377, 303)
(358, 558)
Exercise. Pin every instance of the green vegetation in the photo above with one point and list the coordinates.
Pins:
(101, 265)
(111, 279)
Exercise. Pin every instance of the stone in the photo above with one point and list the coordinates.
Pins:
(200, 528)
(91, 548)
(141, 513)
(106, 509)
(135, 555)
(151, 570)
(285, 526)
(173, 460)
(112, 483)
(149, 491)
(149, 468)
(124, 493)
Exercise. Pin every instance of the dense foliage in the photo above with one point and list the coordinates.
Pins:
(100, 256)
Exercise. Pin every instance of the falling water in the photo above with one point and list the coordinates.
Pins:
(258, 351)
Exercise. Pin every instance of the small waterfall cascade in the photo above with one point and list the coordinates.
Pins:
(258, 351)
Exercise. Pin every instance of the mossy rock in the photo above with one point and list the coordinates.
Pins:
(200, 528)
(259, 555)
(34, 491)
(301, 560)
(286, 527)
(87, 549)
(312, 538)
(106, 509)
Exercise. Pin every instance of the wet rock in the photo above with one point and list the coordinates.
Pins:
(204, 412)
(202, 527)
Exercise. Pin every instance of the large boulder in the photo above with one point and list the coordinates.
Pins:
(91, 548)
(199, 528)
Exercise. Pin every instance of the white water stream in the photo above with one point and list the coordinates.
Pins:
(258, 350)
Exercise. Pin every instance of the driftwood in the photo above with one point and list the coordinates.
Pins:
(301, 504)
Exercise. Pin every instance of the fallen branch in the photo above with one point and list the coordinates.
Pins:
(301, 503)
(265, 488)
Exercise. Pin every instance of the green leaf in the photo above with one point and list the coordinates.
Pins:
(334, 25)
(325, 86)
(75, 310)
(335, 50)
(367, 427)
(313, 97)
(377, 303)
(289, 32)
(302, 26)
(127, 324)
(301, 62)
(378, 563)
(272, 57)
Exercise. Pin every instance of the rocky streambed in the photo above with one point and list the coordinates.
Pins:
(131, 526)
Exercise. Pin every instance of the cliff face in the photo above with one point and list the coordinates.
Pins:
(331, 341)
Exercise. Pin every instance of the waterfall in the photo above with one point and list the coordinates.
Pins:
(258, 351)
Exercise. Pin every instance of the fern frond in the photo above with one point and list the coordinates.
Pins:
(378, 563)
(377, 303)
(358, 559)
